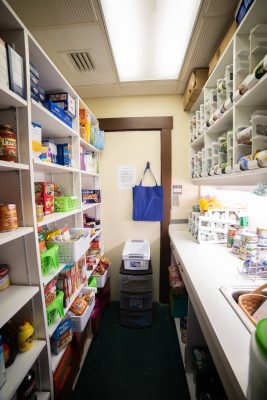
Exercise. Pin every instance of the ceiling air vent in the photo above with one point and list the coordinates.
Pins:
(81, 61)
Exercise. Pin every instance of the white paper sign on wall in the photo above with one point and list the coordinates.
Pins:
(126, 176)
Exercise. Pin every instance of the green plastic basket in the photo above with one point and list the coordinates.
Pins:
(55, 309)
(49, 259)
(65, 203)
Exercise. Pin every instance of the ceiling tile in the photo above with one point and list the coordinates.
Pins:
(148, 88)
(98, 90)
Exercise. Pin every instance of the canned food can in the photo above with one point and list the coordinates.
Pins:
(8, 217)
(230, 241)
(243, 221)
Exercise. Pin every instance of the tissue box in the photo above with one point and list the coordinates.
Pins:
(64, 101)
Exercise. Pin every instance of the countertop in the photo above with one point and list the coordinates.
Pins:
(207, 267)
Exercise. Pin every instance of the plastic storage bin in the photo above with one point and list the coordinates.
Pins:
(65, 203)
(136, 281)
(136, 301)
(79, 322)
(136, 254)
(101, 279)
(73, 250)
(136, 319)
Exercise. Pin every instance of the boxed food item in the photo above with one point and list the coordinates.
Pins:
(91, 196)
(52, 149)
(85, 124)
(36, 139)
(15, 71)
(222, 47)
(34, 71)
(53, 108)
(62, 336)
(64, 101)
(64, 154)
(195, 84)
(4, 83)
(44, 194)
(65, 282)
(66, 119)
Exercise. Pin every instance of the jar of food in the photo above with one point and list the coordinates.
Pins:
(39, 212)
(8, 144)
(8, 217)
(4, 277)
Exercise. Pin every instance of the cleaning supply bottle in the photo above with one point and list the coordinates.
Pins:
(25, 336)
(257, 387)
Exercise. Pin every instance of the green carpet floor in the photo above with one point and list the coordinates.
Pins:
(134, 364)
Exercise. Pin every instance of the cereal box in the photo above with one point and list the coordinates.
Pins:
(44, 194)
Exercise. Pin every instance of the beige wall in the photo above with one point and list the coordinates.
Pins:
(148, 106)
(142, 106)
(128, 148)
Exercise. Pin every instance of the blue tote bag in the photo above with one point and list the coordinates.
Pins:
(148, 200)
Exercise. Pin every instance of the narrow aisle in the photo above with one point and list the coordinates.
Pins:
(134, 364)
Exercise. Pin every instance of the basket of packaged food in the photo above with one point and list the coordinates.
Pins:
(101, 272)
(55, 309)
(82, 308)
(251, 303)
(73, 243)
(49, 259)
(65, 203)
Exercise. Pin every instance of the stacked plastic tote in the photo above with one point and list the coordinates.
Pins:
(136, 285)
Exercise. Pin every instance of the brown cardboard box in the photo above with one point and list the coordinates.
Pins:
(222, 47)
(195, 84)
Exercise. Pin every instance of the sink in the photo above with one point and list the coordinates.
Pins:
(231, 293)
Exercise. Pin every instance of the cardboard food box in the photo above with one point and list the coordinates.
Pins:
(36, 139)
(213, 62)
(64, 101)
(91, 196)
(195, 84)
(44, 194)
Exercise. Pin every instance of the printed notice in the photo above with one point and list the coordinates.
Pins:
(126, 176)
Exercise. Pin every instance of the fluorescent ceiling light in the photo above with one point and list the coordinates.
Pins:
(149, 38)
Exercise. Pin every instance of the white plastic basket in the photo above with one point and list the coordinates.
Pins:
(101, 279)
(73, 250)
(136, 254)
(79, 322)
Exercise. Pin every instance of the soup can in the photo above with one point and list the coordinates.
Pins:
(8, 217)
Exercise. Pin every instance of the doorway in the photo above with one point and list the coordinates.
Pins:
(164, 125)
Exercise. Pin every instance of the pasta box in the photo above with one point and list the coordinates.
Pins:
(91, 196)
(64, 101)
(44, 194)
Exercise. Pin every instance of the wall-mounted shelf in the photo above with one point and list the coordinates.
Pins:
(11, 99)
(6, 237)
(88, 146)
(12, 166)
(50, 168)
(57, 216)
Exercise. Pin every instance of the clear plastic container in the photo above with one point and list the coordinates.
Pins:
(257, 387)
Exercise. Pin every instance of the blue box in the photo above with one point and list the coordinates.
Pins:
(64, 154)
(35, 97)
(242, 10)
(66, 119)
(54, 109)
(65, 101)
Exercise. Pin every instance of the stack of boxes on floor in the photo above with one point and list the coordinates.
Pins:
(136, 285)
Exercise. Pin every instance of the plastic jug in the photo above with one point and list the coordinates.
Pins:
(257, 385)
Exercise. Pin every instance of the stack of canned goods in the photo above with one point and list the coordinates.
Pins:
(249, 242)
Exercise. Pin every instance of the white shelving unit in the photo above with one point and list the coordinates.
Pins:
(19, 249)
(238, 53)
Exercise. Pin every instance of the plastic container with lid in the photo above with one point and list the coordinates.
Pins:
(257, 388)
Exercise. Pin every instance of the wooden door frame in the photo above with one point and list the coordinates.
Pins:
(165, 126)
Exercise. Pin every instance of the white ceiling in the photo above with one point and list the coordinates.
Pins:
(62, 26)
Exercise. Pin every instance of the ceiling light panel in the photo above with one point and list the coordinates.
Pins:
(149, 37)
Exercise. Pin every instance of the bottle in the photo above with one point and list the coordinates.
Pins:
(257, 387)
(25, 336)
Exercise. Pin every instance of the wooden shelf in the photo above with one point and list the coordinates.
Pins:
(47, 167)
(57, 216)
(12, 166)
(13, 299)
(6, 237)
(51, 125)
(11, 99)
(17, 371)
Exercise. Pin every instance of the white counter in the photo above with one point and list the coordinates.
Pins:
(207, 267)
